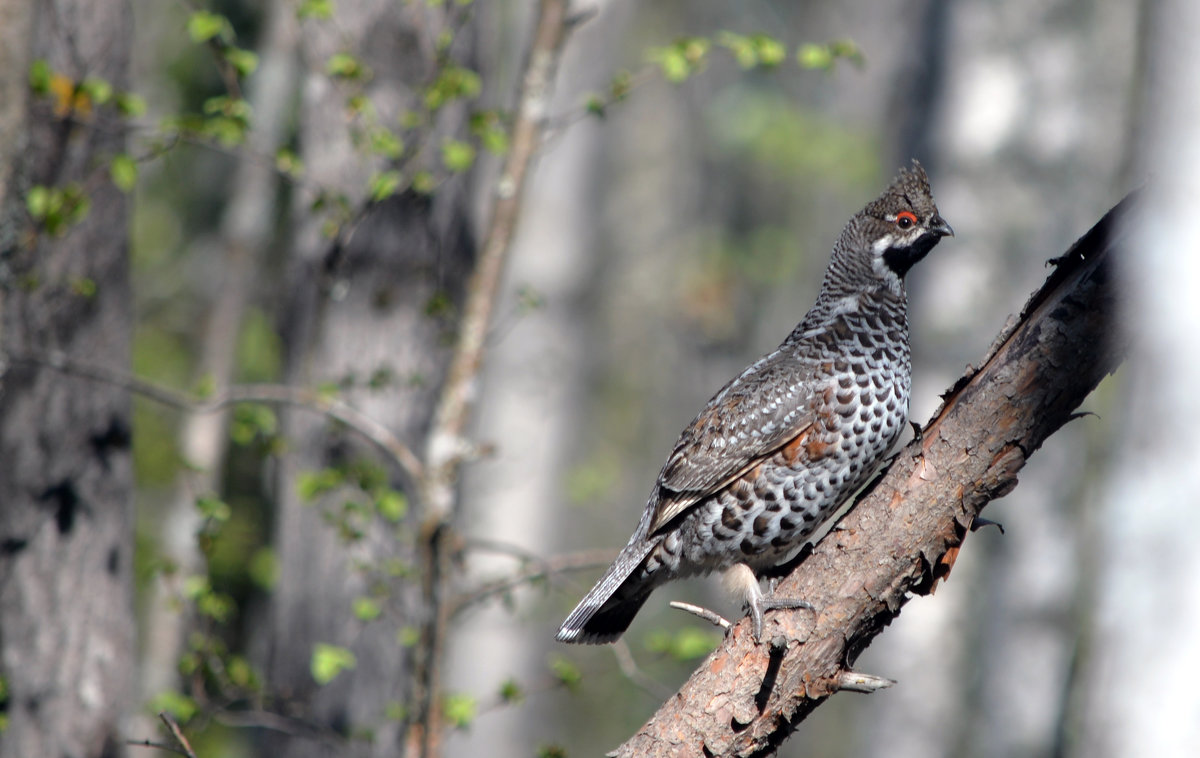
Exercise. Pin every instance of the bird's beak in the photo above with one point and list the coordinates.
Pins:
(938, 226)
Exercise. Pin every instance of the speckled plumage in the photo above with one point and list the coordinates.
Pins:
(787, 441)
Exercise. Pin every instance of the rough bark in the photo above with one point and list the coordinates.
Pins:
(905, 533)
(66, 520)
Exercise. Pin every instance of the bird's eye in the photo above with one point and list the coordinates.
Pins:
(906, 219)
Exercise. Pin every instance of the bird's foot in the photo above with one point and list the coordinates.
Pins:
(741, 579)
(763, 603)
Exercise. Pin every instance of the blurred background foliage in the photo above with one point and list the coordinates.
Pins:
(674, 233)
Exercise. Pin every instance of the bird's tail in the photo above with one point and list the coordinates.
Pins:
(608, 609)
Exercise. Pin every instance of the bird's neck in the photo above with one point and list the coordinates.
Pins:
(882, 304)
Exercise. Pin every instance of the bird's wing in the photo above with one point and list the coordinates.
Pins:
(769, 405)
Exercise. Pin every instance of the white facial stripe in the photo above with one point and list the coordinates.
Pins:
(883, 243)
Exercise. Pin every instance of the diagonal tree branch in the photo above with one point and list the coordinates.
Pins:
(905, 533)
(460, 390)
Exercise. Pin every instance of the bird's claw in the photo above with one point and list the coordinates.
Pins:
(763, 603)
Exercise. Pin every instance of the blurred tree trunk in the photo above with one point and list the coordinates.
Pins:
(1026, 131)
(1137, 696)
(370, 313)
(66, 531)
(246, 231)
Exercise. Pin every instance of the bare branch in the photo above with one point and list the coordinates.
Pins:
(539, 568)
(177, 733)
(634, 673)
(905, 532)
(710, 616)
(273, 394)
(156, 746)
(856, 681)
(275, 722)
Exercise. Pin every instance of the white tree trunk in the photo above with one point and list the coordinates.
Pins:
(531, 408)
(1143, 663)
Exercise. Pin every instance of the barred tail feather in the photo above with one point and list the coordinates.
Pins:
(608, 609)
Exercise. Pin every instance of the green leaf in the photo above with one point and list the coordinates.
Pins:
(741, 47)
(567, 673)
(367, 609)
(241, 673)
(771, 52)
(681, 59)
(395, 711)
(229, 120)
(511, 692)
(489, 128)
(620, 86)
(824, 57)
(130, 104)
(687, 644)
(345, 66)
(84, 286)
(40, 76)
(459, 709)
(97, 89)
(392, 505)
(551, 751)
(251, 421)
(457, 156)
(213, 508)
(386, 143)
(312, 484)
(330, 660)
(245, 62)
(124, 172)
(423, 182)
(38, 201)
(318, 9)
(264, 568)
(408, 636)
(287, 162)
(179, 705)
(384, 184)
(205, 25)
(57, 208)
(452, 83)
(815, 56)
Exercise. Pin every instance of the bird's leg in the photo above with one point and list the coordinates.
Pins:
(741, 580)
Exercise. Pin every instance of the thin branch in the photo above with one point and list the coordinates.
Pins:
(710, 616)
(273, 394)
(177, 733)
(275, 722)
(633, 672)
(446, 448)
(460, 389)
(157, 746)
(539, 568)
(904, 534)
